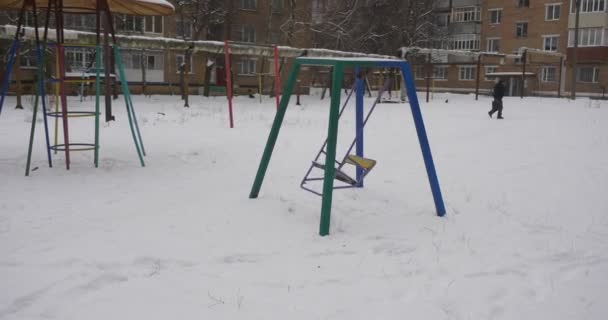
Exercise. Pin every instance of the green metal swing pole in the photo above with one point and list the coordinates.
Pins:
(133, 114)
(274, 132)
(123, 83)
(97, 80)
(330, 157)
(125, 92)
(128, 100)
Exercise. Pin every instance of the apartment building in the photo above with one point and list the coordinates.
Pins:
(260, 22)
(541, 31)
(592, 52)
(459, 23)
(511, 27)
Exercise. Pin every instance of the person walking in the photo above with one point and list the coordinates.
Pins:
(499, 92)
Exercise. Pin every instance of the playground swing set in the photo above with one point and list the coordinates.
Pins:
(228, 75)
(333, 169)
(362, 165)
(59, 8)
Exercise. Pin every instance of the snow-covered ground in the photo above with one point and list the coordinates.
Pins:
(525, 235)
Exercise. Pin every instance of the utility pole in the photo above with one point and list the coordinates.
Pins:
(575, 51)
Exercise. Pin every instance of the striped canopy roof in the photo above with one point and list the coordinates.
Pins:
(133, 7)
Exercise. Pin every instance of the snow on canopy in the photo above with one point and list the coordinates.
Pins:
(133, 7)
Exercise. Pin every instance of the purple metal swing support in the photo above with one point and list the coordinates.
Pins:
(340, 175)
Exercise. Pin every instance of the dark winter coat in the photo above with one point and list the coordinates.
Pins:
(499, 90)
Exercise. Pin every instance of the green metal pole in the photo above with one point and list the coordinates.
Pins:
(97, 93)
(274, 132)
(330, 157)
(33, 128)
(125, 92)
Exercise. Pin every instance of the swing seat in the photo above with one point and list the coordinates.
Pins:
(363, 163)
(340, 175)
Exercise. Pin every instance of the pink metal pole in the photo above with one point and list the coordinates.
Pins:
(277, 81)
(228, 82)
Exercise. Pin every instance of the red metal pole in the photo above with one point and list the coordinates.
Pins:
(277, 80)
(228, 81)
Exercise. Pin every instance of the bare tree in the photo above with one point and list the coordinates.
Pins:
(198, 19)
(380, 26)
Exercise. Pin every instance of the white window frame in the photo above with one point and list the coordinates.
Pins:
(244, 35)
(589, 37)
(552, 38)
(472, 73)
(182, 57)
(488, 68)
(244, 5)
(499, 15)
(153, 18)
(464, 42)
(595, 76)
(589, 6)
(248, 73)
(183, 23)
(132, 26)
(419, 72)
(443, 74)
(84, 55)
(550, 11)
(28, 59)
(517, 23)
(544, 74)
(489, 48)
(466, 14)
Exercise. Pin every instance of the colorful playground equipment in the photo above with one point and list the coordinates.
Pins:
(331, 167)
(103, 10)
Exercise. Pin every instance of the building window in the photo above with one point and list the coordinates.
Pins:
(466, 14)
(247, 67)
(553, 11)
(521, 29)
(275, 37)
(490, 70)
(589, 6)
(495, 16)
(550, 43)
(78, 58)
(153, 24)
(589, 37)
(464, 42)
(523, 3)
(519, 57)
(466, 73)
(440, 72)
(277, 6)
(77, 21)
(419, 73)
(151, 60)
(441, 19)
(28, 59)
(588, 74)
(179, 60)
(130, 23)
(493, 45)
(183, 29)
(248, 4)
(247, 34)
(548, 74)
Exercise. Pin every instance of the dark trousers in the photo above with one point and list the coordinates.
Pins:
(496, 106)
